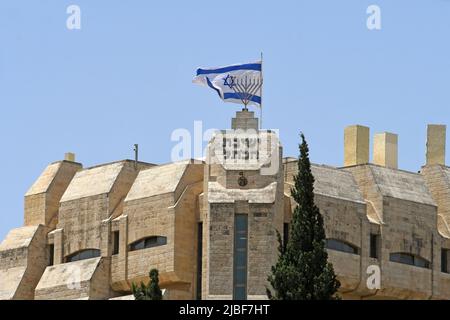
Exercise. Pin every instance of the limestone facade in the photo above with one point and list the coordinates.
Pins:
(210, 227)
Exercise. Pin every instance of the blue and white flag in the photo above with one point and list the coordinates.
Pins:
(234, 83)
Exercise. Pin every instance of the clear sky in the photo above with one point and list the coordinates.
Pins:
(125, 77)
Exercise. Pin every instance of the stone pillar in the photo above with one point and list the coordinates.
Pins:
(58, 256)
(243, 200)
(123, 246)
(385, 150)
(356, 145)
(105, 241)
(436, 144)
(42, 199)
(69, 156)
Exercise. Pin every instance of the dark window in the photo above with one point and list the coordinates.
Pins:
(199, 260)
(84, 254)
(444, 260)
(285, 234)
(339, 245)
(374, 245)
(257, 152)
(224, 148)
(235, 148)
(149, 242)
(407, 258)
(240, 257)
(115, 248)
(51, 254)
(402, 258)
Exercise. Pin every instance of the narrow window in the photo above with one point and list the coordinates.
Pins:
(84, 254)
(402, 258)
(235, 148)
(149, 242)
(247, 148)
(407, 258)
(115, 248)
(285, 234)
(374, 244)
(224, 148)
(338, 245)
(199, 259)
(444, 260)
(240, 257)
(51, 254)
(257, 152)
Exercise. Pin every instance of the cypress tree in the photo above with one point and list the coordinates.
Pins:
(151, 291)
(303, 271)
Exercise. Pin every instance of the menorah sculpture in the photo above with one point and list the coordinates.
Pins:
(246, 87)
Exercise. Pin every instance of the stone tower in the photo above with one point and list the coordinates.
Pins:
(243, 206)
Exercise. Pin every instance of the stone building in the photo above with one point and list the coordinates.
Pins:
(209, 226)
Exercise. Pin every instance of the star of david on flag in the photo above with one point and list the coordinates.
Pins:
(239, 83)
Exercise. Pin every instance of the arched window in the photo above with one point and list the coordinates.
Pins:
(83, 254)
(148, 242)
(408, 258)
(338, 245)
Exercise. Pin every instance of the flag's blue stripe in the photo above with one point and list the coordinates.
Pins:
(212, 87)
(248, 66)
(231, 95)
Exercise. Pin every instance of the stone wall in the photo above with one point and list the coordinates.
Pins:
(162, 202)
(23, 258)
(84, 279)
(42, 199)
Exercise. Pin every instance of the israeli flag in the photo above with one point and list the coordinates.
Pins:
(240, 83)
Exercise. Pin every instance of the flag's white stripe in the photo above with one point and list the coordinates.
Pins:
(211, 71)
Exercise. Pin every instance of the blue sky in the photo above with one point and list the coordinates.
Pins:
(125, 77)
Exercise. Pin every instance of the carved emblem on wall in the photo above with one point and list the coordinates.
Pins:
(242, 181)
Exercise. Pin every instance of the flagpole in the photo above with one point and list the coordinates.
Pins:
(262, 84)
